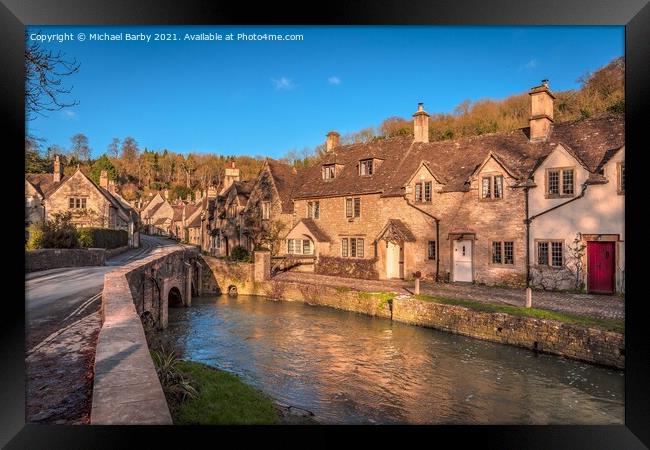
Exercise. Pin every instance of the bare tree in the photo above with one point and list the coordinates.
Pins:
(80, 148)
(44, 73)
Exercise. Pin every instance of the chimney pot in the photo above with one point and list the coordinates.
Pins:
(421, 124)
(103, 179)
(333, 140)
(541, 112)
(58, 169)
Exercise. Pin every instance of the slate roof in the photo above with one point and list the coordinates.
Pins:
(453, 162)
(284, 178)
(318, 234)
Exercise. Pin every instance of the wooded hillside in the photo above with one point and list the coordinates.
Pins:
(138, 172)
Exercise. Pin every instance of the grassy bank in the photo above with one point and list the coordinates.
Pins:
(201, 395)
(604, 324)
(223, 400)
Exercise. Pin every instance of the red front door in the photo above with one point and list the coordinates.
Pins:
(600, 266)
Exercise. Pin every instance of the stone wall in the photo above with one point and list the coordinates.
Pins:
(126, 388)
(116, 251)
(219, 274)
(53, 258)
(548, 336)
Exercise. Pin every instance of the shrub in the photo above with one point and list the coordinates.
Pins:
(102, 238)
(240, 253)
(36, 235)
(56, 233)
(346, 267)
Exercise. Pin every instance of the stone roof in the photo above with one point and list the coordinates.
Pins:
(178, 212)
(453, 162)
(153, 210)
(314, 229)
(196, 222)
(284, 178)
(44, 182)
(396, 231)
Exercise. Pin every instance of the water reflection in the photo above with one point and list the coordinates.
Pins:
(350, 368)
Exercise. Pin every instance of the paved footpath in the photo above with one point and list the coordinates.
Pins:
(63, 322)
(602, 306)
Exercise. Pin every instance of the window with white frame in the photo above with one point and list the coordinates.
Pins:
(423, 191)
(365, 167)
(353, 207)
(492, 187)
(77, 203)
(329, 171)
(313, 210)
(503, 252)
(352, 247)
(550, 253)
(560, 182)
(266, 210)
(621, 178)
(299, 247)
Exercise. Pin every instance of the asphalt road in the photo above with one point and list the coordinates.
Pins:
(56, 297)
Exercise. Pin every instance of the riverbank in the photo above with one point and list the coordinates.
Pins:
(221, 398)
(591, 339)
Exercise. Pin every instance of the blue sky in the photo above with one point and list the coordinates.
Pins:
(267, 97)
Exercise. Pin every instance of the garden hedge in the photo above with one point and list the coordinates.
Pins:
(102, 238)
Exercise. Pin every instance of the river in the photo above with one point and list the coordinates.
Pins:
(349, 368)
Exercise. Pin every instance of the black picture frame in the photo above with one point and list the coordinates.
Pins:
(16, 14)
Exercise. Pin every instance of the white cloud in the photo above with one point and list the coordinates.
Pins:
(69, 114)
(334, 80)
(283, 84)
(531, 64)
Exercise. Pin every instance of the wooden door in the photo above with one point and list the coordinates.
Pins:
(601, 262)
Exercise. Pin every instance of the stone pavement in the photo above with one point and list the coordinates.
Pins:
(60, 373)
(602, 306)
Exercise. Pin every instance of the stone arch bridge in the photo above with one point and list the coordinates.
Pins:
(169, 281)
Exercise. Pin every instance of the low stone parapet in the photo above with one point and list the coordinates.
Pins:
(54, 258)
(126, 388)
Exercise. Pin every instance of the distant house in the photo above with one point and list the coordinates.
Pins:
(269, 210)
(90, 205)
(227, 227)
(158, 217)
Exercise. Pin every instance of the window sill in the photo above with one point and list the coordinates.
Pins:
(538, 266)
(490, 199)
(559, 196)
(501, 265)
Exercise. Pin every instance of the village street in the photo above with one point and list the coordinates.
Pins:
(62, 324)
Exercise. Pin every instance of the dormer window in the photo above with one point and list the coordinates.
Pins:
(423, 191)
(560, 182)
(365, 167)
(492, 187)
(329, 171)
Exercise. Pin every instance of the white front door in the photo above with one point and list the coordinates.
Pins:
(463, 260)
(392, 260)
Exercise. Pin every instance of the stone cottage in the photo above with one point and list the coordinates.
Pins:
(90, 205)
(268, 214)
(452, 210)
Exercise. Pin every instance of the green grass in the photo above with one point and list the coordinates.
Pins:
(223, 400)
(605, 324)
(382, 297)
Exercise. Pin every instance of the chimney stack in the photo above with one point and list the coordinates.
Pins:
(166, 194)
(58, 169)
(103, 179)
(541, 112)
(231, 175)
(421, 124)
(198, 195)
(111, 186)
(333, 140)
